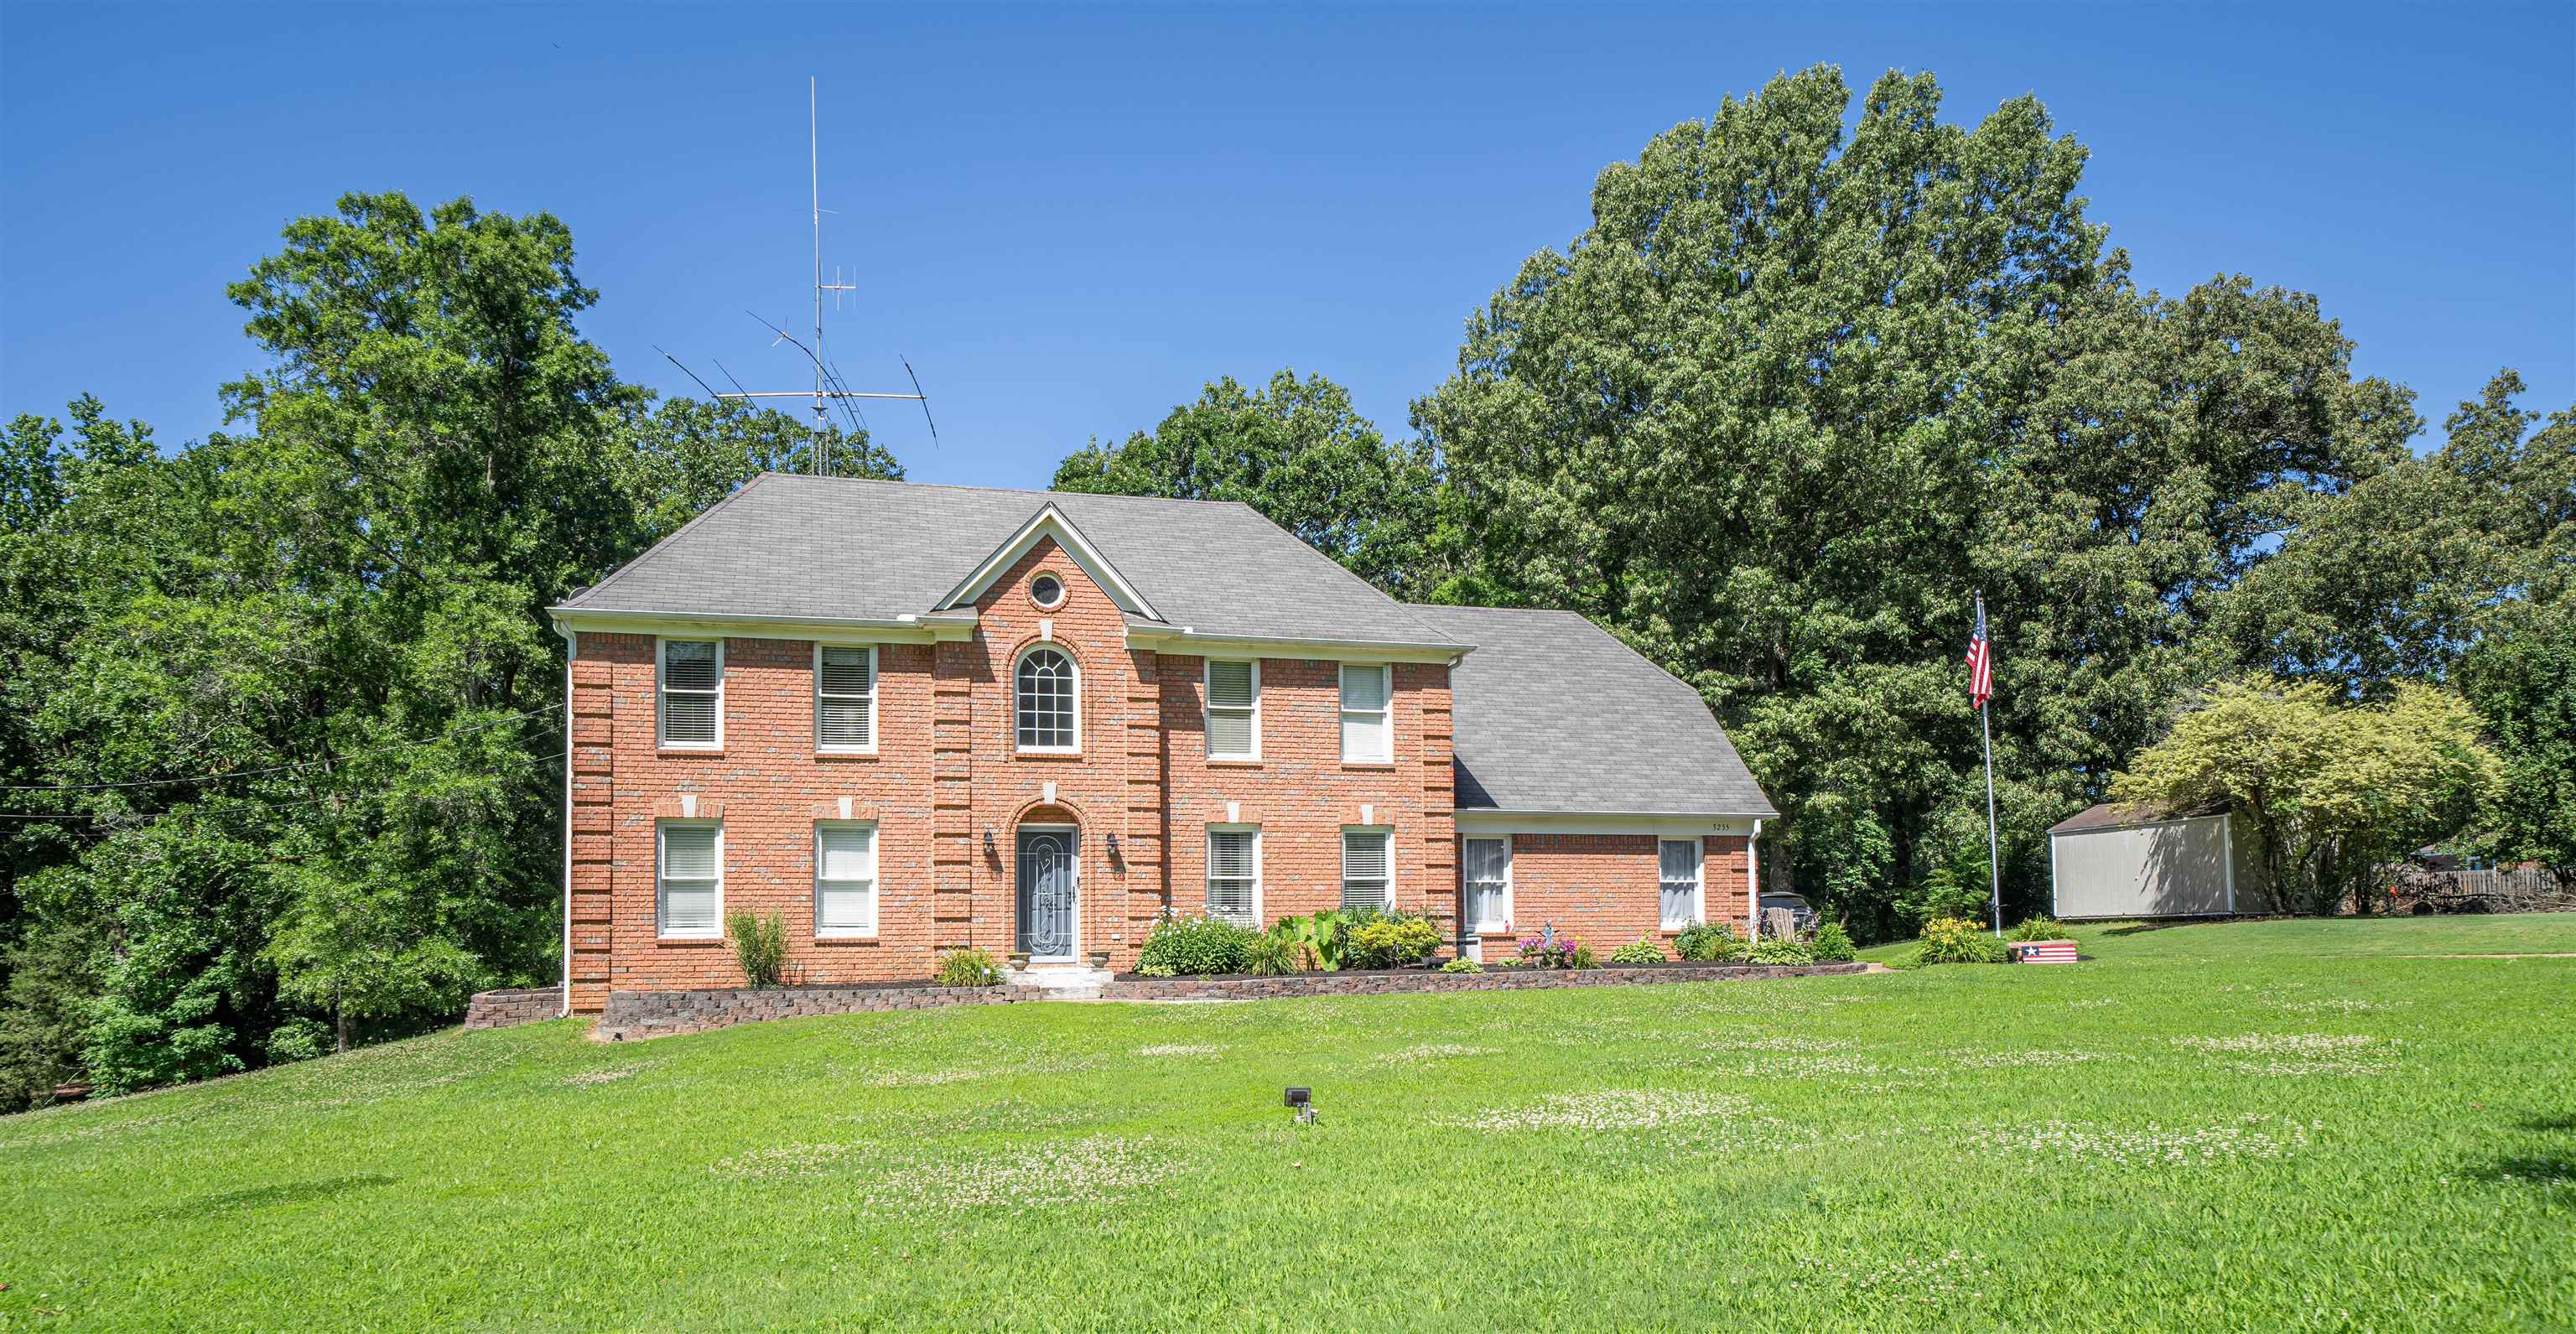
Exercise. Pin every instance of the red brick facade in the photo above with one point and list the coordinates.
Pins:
(947, 790)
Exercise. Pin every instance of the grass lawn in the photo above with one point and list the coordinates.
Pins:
(2256, 1126)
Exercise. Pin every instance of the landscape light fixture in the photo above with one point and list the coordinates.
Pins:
(1303, 1099)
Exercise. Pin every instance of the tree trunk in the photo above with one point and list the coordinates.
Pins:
(339, 1024)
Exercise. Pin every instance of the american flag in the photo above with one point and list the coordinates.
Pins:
(1981, 661)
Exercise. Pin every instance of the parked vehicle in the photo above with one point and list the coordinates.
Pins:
(1803, 917)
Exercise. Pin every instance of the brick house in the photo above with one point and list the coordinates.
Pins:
(908, 718)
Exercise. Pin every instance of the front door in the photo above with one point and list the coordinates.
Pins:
(1046, 893)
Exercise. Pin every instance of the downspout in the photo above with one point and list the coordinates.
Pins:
(1752, 884)
(572, 647)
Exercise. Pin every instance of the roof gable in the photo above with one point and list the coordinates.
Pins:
(1049, 522)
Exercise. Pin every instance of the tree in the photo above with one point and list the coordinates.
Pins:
(1294, 450)
(2323, 796)
(1795, 395)
(2397, 578)
(2522, 678)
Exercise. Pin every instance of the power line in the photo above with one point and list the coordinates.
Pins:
(278, 768)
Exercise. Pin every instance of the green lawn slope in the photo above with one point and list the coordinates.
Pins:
(2287, 1125)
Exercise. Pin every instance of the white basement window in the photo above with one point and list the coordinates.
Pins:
(1233, 710)
(1234, 876)
(1367, 721)
(689, 893)
(1680, 873)
(845, 880)
(692, 690)
(845, 698)
(1365, 874)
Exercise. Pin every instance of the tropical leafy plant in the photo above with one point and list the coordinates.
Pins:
(1318, 941)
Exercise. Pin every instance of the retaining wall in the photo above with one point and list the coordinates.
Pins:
(653, 1014)
(514, 1006)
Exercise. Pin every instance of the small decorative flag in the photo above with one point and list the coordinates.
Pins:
(1981, 660)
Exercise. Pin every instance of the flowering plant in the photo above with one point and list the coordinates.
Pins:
(1552, 952)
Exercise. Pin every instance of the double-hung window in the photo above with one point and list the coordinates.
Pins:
(1680, 871)
(1487, 866)
(1368, 723)
(1233, 710)
(1234, 875)
(692, 690)
(689, 893)
(1365, 877)
(845, 880)
(845, 698)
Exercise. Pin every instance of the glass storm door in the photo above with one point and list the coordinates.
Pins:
(1046, 893)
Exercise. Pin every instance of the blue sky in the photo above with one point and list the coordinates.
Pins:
(1070, 219)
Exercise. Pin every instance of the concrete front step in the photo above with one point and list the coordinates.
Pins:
(1060, 981)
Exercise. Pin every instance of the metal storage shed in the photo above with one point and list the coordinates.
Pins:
(2133, 861)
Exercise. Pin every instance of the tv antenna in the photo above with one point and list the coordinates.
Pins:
(829, 388)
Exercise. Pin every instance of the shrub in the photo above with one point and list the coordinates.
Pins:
(1267, 955)
(1560, 952)
(1832, 944)
(1199, 945)
(2038, 928)
(1155, 970)
(1388, 940)
(1950, 940)
(1462, 966)
(968, 968)
(1710, 942)
(759, 945)
(1783, 951)
(1638, 951)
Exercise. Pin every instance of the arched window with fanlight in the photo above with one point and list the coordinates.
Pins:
(1047, 690)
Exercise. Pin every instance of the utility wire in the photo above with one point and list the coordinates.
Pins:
(277, 768)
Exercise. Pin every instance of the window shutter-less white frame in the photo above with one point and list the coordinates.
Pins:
(1046, 702)
(845, 698)
(1234, 874)
(688, 891)
(1681, 877)
(689, 694)
(1233, 714)
(1486, 865)
(1368, 713)
(1368, 873)
(845, 879)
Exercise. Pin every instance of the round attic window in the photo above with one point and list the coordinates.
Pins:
(1047, 591)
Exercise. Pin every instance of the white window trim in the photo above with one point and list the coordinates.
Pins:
(661, 728)
(660, 880)
(1385, 715)
(1046, 645)
(1207, 868)
(876, 883)
(1063, 590)
(1388, 905)
(1699, 882)
(1207, 706)
(1482, 928)
(876, 719)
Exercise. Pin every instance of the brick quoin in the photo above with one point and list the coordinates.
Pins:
(948, 791)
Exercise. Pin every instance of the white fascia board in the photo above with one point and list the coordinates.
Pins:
(714, 625)
(1050, 522)
(1183, 639)
(1603, 822)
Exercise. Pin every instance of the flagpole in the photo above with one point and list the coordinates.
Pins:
(1994, 858)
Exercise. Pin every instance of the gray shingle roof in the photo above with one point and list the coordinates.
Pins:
(1553, 714)
(789, 548)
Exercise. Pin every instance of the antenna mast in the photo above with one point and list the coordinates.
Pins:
(827, 383)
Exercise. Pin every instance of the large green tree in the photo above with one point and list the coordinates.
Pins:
(1799, 391)
(291, 689)
(1294, 450)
